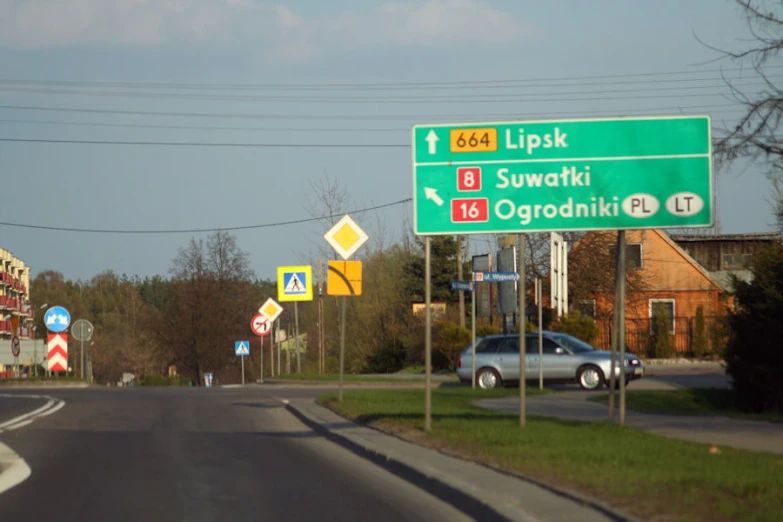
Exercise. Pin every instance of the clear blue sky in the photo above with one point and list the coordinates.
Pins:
(568, 59)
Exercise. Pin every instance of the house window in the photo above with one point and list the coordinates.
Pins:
(633, 255)
(736, 261)
(662, 307)
(586, 307)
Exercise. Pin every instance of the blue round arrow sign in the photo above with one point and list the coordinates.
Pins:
(57, 319)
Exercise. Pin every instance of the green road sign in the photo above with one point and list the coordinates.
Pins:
(653, 172)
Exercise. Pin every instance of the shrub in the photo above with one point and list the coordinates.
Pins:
(179, 380)
(387, 359)
(574, 323)
(753, 356)
(155, 380)
(162, 380)
(451, 340)
(664, 347)
(486, 329)
(700, 347)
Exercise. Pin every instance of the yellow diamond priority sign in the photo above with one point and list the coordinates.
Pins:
(271, 309)
(346, 237)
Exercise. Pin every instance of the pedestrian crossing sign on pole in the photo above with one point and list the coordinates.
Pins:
(294, 283)
(242, 348)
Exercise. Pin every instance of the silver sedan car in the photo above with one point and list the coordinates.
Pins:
(565, 359)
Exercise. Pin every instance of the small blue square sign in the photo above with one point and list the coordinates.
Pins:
(242, 348)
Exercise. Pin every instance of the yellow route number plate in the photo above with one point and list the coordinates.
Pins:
(474, 140)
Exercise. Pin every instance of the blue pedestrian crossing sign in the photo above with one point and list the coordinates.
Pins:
(294, 283)
(242, 348)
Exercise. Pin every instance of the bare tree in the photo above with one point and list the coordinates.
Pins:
(755, 135)
(591, 273)
(212, 302)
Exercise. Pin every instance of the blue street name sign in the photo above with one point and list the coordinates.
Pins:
(465, 286)
(495, 277)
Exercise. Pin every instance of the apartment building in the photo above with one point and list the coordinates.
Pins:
(15, 309)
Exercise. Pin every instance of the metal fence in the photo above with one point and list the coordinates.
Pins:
(641, 337)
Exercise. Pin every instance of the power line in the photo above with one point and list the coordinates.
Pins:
(202, 230)
(376, 85)
(338, 117)
(209, 144)
(442, 99)
(204, 127)
(354, 99)
(736, 109)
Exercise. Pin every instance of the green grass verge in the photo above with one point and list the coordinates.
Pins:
(647, 475)
(697, 401)
(42, 378)
(412, 369)
(308, 376)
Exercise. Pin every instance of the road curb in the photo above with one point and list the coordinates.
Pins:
(449, 494)
(462, 500)
(352, 384)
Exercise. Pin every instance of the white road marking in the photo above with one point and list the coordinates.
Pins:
(50, 407)
(13, 469)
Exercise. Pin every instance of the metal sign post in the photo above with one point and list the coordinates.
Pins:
(345, 237)
(261, 325)
(271, 310)
(473, 335)
(295, 283)
(342, 348)
(522, 322)
(621, 318)
(15, 350)
(296, 341)
(539, 302)
(618, 334)
(82, 331)
(242, 350)
(427, 337)
(277, 342)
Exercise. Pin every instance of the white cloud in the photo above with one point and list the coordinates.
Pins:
(275, 28)
(286, 17)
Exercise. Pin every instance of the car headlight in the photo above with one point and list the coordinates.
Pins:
(635, 362)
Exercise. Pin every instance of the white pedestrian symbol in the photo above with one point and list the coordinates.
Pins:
(295, 285)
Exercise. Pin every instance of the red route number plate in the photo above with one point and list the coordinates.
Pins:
(470, 210)
(468, 179)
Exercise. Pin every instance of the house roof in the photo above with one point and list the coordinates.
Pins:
(752, 236)
(665, 236)
(725, 277)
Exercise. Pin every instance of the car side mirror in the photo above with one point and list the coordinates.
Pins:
(559, 351)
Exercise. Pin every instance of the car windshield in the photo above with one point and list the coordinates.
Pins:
(572, 344)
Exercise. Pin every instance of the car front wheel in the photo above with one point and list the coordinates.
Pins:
(488, 379)
(590, 377)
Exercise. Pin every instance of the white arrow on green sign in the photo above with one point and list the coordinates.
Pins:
(596, 174)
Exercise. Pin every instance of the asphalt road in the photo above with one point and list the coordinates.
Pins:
(13, 405)
(190, 454)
